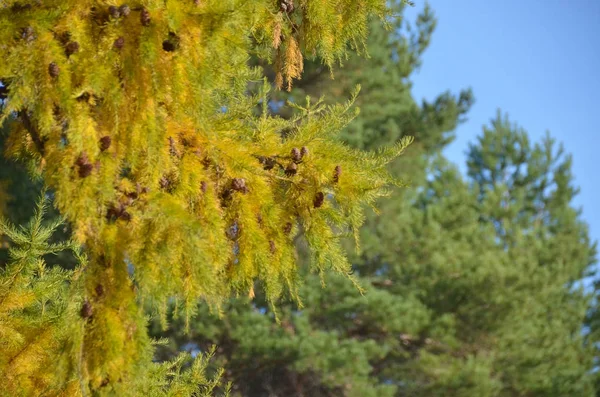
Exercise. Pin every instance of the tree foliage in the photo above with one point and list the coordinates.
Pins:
(184, 176)
(453, 305)
(138, 120)
(471, 283)
(43, 322)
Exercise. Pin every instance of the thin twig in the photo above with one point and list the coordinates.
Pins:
(33, 131)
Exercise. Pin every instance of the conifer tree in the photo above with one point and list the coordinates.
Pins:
(470, 291)
(136, 117)
(42, 336)
(284, 358)
(18, 195)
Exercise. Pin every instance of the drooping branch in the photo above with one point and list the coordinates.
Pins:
(33, 131)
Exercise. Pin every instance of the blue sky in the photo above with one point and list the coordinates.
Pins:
(538, 61)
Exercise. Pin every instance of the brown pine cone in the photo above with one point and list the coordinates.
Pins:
(71, 48)
(172, 43)
(126, 216)
(53, 70)
(304, 151)
(296, 155)
(337, 173)
(173, 147)
(114, 12)
(85, 167)
(28, 34)
(286, 6)
(119, 43)
(239, 184)
(145, 17)
(164, 183)
(268, 163)
(124, 10)
(86, 310)
(114, 212)
(319, 199)
(168, 46)
(291, 169)
(105, 143)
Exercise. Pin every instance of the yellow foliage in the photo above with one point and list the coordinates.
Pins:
(142, 126)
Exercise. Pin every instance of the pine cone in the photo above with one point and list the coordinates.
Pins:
(105, 142)
(124, 10)
(113, 11)
(119, 43)
(291, 169)
(71, 48)
(337, 173)
(82, 159)
(126, 216)
(99, 290)
(304, 151)
(268, 163)
(203, 186)
(319, 199)
(164, 183)
(287, 228)
(145, 17)
(272, 246)
(131, 196)
(85, 170)
(173, 148)
(296, 155)
(114, 212)
(118, 211)
(239, 184)
(53, 70)
(111, 214)
(232, 232)
(28, 34)
(172, 43)
(84, 166)
(168, 46)
(86, 310)
(286, 6)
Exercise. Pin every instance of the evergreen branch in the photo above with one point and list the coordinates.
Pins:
(33, 131)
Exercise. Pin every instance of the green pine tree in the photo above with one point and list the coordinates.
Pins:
(18, 195)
